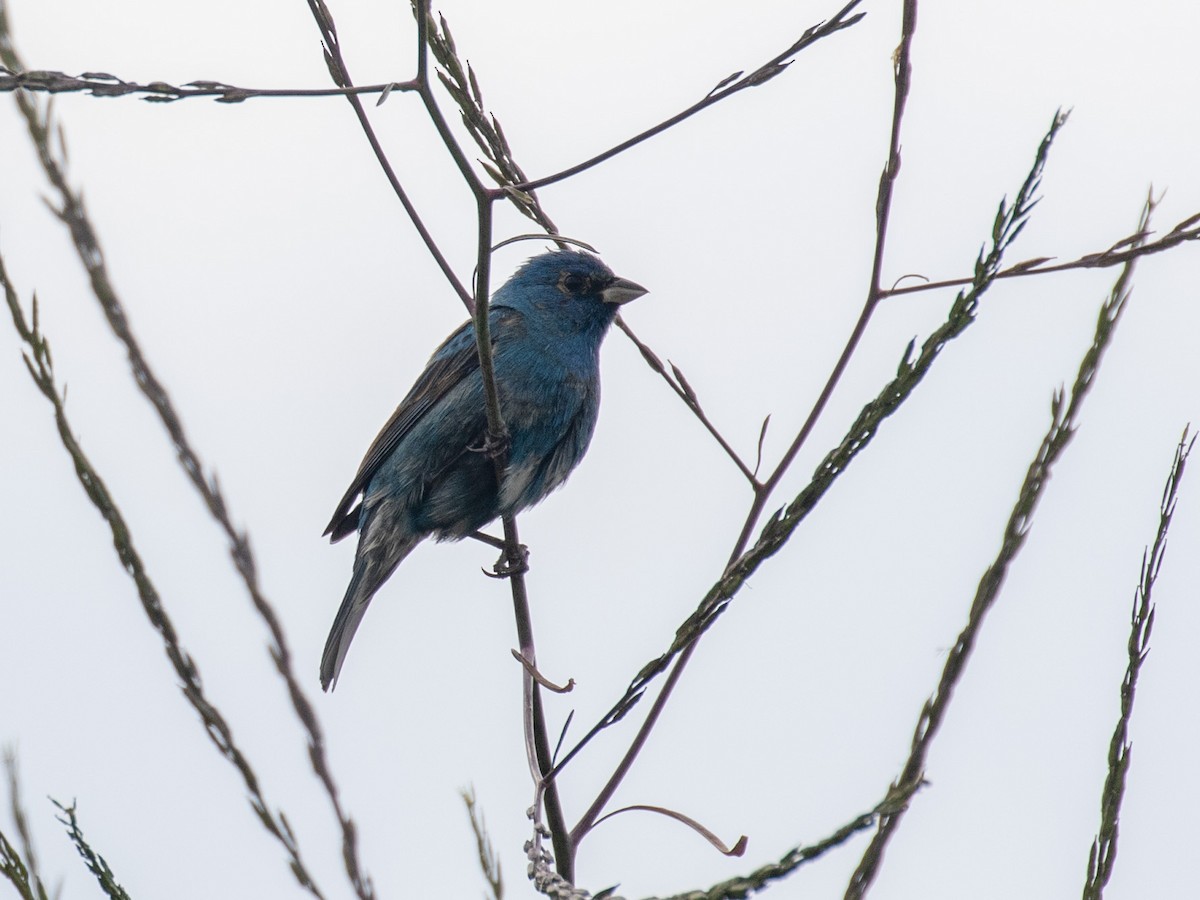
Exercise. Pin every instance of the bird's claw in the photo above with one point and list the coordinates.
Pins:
(507, 567)
(492, 445)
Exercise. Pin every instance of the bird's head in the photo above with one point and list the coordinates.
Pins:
(570, 285)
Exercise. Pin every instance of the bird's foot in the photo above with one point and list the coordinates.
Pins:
(492, 445)
(507, 566)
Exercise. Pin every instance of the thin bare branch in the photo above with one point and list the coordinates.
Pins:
(537, 741)
(726, 88)
(883, 207)
(341, 77)
(688, 396)
(738, 848)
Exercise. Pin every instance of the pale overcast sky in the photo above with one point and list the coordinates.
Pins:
(286, 303)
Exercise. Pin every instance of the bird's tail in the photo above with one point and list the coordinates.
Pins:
(371, 569)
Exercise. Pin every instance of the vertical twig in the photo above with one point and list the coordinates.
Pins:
(883, 207)
(341, 77)
(536, 732)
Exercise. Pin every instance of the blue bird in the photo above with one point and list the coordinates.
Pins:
(426, 473)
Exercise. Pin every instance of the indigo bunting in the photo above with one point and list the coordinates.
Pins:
(428, 472)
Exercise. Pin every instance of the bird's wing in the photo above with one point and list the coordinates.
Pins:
(456, 359)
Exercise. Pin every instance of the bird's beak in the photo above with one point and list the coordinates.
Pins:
(622, 290)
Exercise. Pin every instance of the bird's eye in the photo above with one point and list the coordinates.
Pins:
(574, 283)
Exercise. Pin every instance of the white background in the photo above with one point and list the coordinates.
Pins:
(286, 303)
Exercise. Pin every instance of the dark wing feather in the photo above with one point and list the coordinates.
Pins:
(454, 360)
